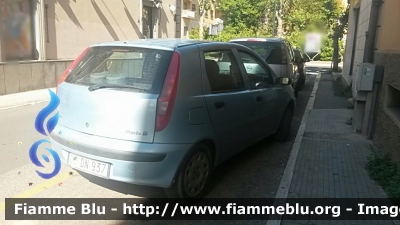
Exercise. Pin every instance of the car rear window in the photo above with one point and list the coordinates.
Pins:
(140, 68)
(270, 51)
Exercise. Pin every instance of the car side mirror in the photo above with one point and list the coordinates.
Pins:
(307, 60)
(282, 81)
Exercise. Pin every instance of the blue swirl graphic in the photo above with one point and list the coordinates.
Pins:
(44, 113)
(35, 159)
(51, 124)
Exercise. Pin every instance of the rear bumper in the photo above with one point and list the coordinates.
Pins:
(130, 162)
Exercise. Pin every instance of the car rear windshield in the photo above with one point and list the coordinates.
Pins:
(270, 51)
(140, 69)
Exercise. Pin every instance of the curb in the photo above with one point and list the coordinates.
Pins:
(284, 186)
(25, 98)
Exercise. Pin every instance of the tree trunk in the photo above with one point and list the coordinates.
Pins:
(201, 28)
(335, 52)
(280, 25)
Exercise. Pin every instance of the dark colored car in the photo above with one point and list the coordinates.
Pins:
(301, 60)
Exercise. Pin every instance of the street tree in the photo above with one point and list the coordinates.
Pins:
(204, 6)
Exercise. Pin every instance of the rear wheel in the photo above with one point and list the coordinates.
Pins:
(193, 177)
(285, 126)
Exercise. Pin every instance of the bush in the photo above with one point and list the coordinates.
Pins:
(385, 171)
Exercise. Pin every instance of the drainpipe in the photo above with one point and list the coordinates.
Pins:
(369, 51)
(1, 40)
(178, 18)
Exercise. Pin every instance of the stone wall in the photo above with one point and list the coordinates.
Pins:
(30, 75)
(387, 124)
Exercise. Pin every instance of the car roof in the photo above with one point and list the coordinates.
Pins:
(162, 44)
(259, 39)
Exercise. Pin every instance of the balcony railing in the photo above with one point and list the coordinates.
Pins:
(188, 14)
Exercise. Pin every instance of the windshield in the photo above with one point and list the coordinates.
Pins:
(138, 68)
(270, 51)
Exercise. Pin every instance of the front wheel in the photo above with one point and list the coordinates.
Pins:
(193, 177)
(285, 126)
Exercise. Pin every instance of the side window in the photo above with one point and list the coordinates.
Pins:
(285, 52)
(259, 76)
(223, 71)
(290, 56)
(291, 52)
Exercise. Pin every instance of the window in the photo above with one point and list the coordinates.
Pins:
(142, 70)
(259, 76)
(193, 7)
(272, 52)
(185, 5)
(19, 38)
(290, 51)
(223, 72)
(212, 14)
(285, 55)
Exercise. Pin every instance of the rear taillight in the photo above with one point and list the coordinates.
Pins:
(166, 100)
(71, 67)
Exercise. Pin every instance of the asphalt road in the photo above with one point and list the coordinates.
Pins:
(256, 172)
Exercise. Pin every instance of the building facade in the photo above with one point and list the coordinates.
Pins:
(191, 16)
(40, 38)
(373, 35)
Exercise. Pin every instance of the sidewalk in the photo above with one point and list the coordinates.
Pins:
(331, 158)
(24, 98)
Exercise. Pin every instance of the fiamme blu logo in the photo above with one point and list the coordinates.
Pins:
(41, 127)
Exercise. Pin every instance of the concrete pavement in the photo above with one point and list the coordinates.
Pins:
(25, 98)
(331, 158)
(322, 64)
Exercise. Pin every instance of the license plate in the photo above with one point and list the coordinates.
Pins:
(88, 165)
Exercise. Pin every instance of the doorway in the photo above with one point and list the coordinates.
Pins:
(147, 22)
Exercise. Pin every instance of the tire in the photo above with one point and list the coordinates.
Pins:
(285, 126)
(193, 176)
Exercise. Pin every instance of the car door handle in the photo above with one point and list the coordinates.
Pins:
(259, 98)
(219, 105)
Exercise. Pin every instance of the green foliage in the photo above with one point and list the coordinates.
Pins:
(385, 171)
(327, 50)
(347, 92)
(242, 14)
(255, 18)
(227, 34)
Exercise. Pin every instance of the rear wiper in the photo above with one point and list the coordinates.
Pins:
(98, 86)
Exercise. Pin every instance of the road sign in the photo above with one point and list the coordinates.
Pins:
(313, 43)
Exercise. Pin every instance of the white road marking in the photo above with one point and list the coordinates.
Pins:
(284, 186)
